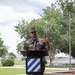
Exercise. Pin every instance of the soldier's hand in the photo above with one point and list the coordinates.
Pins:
(45, 41)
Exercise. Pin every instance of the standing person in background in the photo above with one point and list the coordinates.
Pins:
(35, 43)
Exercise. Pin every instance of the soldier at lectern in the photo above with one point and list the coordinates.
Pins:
(35, 43)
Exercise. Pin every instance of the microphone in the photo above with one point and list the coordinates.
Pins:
(34, 40)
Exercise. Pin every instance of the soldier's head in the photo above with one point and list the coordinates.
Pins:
(32, 32)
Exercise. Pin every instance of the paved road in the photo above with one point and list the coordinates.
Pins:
(55, 74)
(59, 73)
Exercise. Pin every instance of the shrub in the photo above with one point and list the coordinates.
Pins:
(8, 62)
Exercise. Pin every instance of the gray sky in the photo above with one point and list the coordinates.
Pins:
(13, 10)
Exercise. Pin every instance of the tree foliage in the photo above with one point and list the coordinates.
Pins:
(68, 6)
(11, 54)
(53, 24)
(20, 47)
(3, 48)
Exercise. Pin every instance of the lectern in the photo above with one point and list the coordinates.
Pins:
(34, 61)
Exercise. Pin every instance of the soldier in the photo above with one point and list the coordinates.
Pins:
(36, 43)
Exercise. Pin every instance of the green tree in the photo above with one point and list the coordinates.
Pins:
(11, 55)
(46, 26)
(3, 48)
(53, 24)
(20, 47)
(68, 7)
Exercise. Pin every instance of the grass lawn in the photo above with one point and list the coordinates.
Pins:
(12, 71)
(47, 70)
(0, 63)
(16, 71)
(18, 62)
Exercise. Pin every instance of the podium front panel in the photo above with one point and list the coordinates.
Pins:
(33, 65)
(35, 53)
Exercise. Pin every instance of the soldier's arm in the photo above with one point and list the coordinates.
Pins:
(47, 45)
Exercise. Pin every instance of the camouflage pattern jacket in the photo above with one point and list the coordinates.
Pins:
(32, 45)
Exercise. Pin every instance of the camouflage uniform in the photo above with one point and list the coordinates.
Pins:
(40, 45)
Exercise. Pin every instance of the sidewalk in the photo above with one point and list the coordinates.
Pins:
(23, 66)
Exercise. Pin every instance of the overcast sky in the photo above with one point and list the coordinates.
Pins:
(13, 10)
